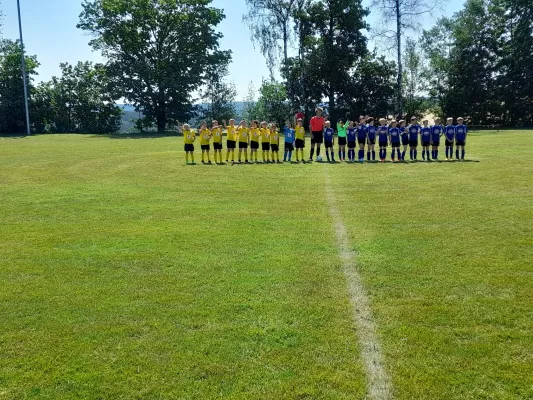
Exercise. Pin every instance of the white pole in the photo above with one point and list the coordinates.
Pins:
(24, 73)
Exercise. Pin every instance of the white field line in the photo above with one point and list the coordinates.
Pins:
(379, 384)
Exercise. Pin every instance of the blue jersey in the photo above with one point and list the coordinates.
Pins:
(350, 134)
(383, 133)
(403, 133)
(328, 134)
(460, 132)
(371, 132)
(449, 132)
(289, 135)
(413, 132)
(436, 132)
(425, 132)
(362, 132)
(394, 134)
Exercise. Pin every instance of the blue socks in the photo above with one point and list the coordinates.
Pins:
(457, 153)
(373, 155)
(463, 154)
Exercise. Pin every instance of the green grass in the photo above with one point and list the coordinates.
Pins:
(125, 274)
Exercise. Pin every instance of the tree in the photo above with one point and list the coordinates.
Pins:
(250, 110)
(272, 105)
(158, 51)
(269, 22)
(336, 46)
(12, 108)
(413, 79)
(218, 97)
(396, 18)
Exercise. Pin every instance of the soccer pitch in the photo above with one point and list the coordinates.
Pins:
(126, 274)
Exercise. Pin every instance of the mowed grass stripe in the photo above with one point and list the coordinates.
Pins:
(445, 250)
(379, 386)
(127, 275)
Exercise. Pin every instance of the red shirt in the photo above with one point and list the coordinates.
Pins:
(317, 124)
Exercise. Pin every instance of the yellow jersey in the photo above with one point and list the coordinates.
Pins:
(205, 136)
(243, 134)
(188, 137)
(231, 133)
(255, 134)
(265, 135)
(217, 134)
(300, 132)
(274, 137)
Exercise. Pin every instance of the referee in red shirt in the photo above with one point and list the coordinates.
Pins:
(317, 132)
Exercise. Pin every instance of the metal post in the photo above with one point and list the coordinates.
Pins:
(24, 73)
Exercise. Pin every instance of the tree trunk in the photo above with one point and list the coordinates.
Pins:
(399, 48)
(161, 115)
(332, 110)
(285, 43)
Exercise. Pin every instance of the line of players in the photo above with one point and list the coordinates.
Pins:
(399, 137)
(363, 133)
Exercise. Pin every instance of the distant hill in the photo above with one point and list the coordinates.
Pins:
(129, 115)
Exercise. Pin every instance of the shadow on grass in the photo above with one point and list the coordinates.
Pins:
(13, 136)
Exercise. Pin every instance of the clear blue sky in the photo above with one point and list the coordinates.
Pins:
(50, 33)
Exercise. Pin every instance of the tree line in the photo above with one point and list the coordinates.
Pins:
(477, 63)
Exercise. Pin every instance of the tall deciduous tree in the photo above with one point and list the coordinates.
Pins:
(158, 51)
(12, 108)
(396, 18)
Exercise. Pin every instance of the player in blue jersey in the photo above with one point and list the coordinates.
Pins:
(405, 137)
(351, 137)
(425, 135)
(449, 134)
(362, 132)
(395, 141)
(383, 137)
(289, 134)
(329, 134)
(436, 133)
(414, 130)
(460, 138)
(371, 139)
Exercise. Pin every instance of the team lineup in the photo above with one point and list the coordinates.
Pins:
(351, 135)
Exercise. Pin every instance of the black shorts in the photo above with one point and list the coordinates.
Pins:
(405, 142)
(205, 147)
(397, 144)
(413, 143)
(383, 144)
(426, 144)
(460, 143)
(265, 146)
(317, 137)
(230, 144)
(342, 141)
(289, 146)
(435, 144)
(274, 147)
(243, 145)
(372, 141)
(217, 146)
(300, 143)
(361, 140)
(254, 145)
(449, 142)
(328, 144)
(351, 145)
(189, 147)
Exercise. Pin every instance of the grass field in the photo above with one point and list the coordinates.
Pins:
(125, 274)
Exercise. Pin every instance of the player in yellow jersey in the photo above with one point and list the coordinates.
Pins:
(243, 134)
(300, 140)
(265, 141)
(205, 138)
(231, 133)
(255, 135)
(188, 140)
(274, 142)
(216, 132)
